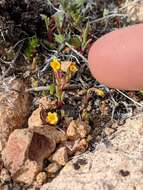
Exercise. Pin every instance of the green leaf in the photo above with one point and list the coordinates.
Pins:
(33, 43)
(58, 93)
(85, 36)
(64, 4)
(44, 93)
(79, 3)
(49, 45)
(46, 19)
(73, 12)
(52, 89)
(59, 18)
(75, 41)
(86, 44)
(59, 38)
(76, 17)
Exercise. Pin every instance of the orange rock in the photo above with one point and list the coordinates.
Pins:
(41, 178)
(60, 156)
(116, 59)
(25, 152)
(71, 131)
(77, 129)
(80, 147)
(51, 133)
(14, 109)
(53, 168)
(27, 172)
(47, 103)
(76, 147)
(35, 119)
(27, 149)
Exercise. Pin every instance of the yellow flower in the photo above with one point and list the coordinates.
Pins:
(100, 92)
(73, 68)
(55, 64)
(52, 118)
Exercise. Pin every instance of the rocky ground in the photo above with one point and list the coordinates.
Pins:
(59, 128)
(115, 165)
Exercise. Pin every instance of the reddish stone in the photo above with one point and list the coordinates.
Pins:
(14, 109)
(25, 152)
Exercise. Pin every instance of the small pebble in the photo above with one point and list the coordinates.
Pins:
(53, 168)
(4, 176)
(109, 131)
(41, 178)
(60, 156)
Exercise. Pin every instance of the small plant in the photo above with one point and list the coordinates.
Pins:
(33, 43)
(72, 15)
(72, 10)
(46, 20)
(62, 77)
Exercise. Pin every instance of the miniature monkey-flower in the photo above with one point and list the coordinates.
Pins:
(55, 64)
(100, 92)
(52, 118)
(73, 68)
